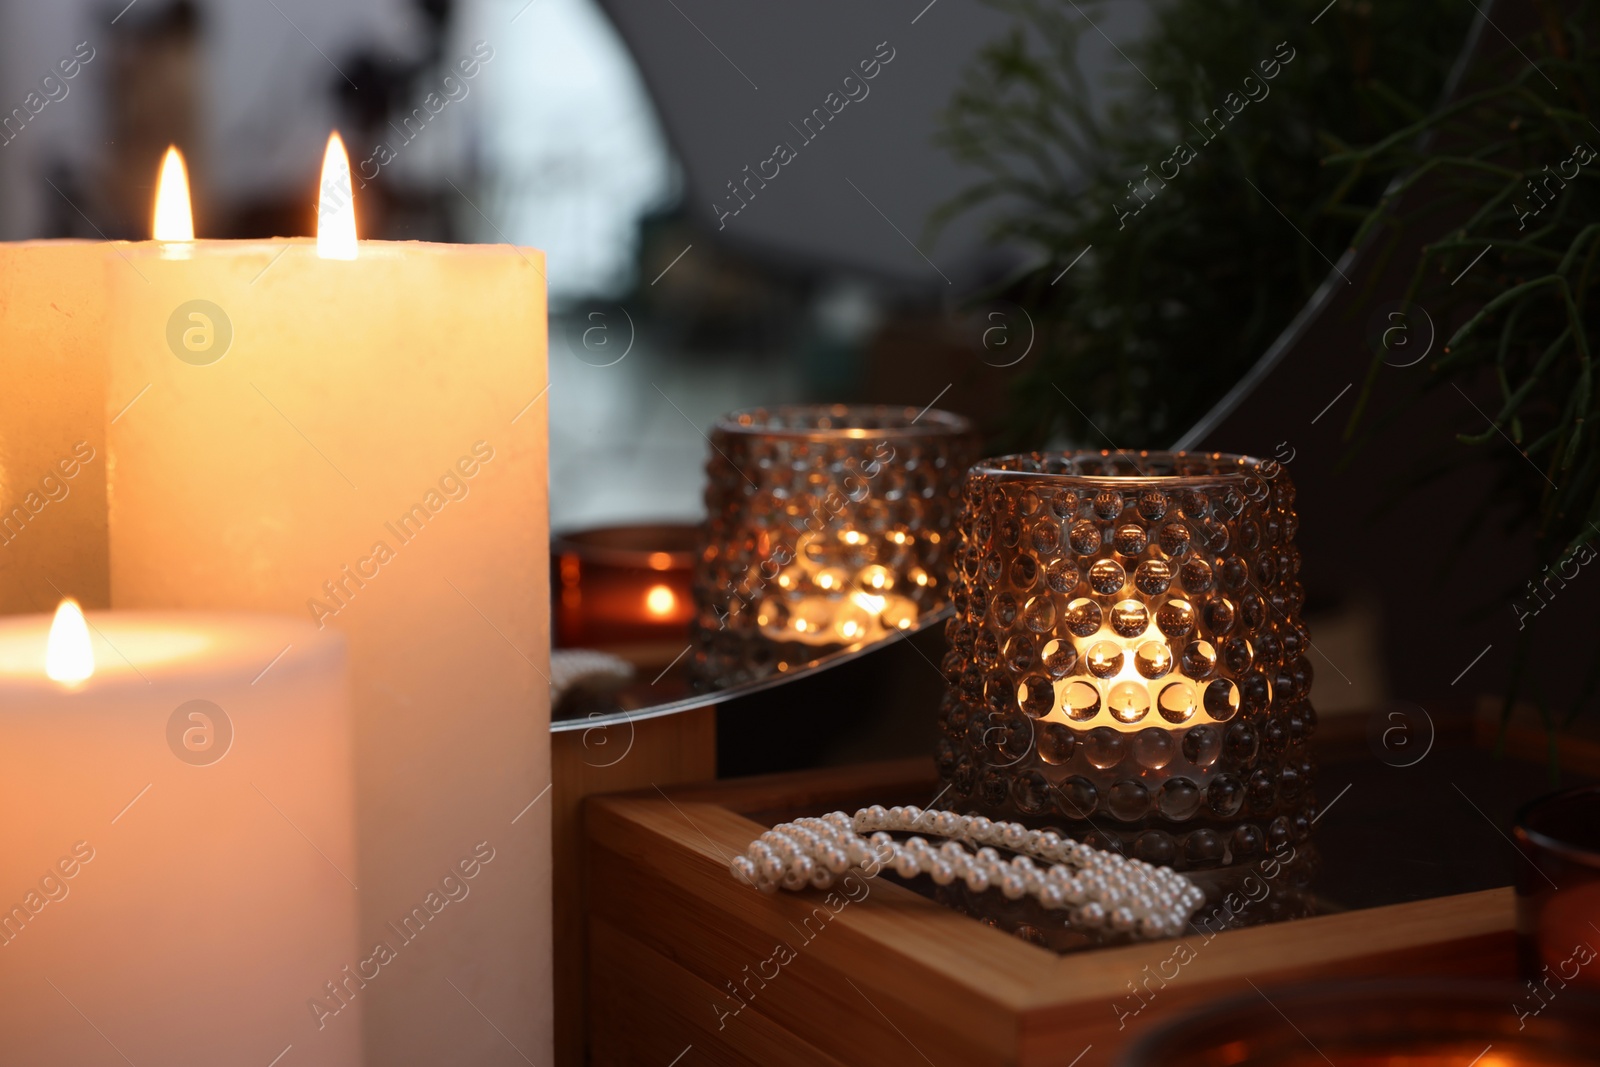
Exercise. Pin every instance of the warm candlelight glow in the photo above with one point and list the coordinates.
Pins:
(68, 656)
(659, 601)
(174, 218)
(873, 604)
(336, 206)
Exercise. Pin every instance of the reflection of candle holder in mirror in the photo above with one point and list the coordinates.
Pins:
(1127, 658)
(1558, 889)
(625, 589)
(828, 528)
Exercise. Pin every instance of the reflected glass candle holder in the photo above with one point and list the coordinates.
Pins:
(1558, 892)
(1127, 658)
(828, 527)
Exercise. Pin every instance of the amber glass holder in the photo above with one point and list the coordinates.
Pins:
(1127, 658)
(624, 586)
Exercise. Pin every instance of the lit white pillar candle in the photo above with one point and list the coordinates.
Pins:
(53, 406)
(177, 857)
(356, 432)
(52, 424)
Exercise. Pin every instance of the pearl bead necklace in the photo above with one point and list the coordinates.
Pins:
(1103, 890)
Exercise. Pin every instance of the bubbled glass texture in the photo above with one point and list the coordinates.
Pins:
(1127, 658)
(828, 527)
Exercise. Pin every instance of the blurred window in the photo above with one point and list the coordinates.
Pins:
(572, 152)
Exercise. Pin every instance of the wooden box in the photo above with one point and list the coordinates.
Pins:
(685, 963)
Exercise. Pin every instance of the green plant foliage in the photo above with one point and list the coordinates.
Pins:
(1512, 171)
(1188, 278)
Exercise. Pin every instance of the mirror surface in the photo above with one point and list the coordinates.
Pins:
(599, 702)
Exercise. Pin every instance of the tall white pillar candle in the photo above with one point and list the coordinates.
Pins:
(362, 441)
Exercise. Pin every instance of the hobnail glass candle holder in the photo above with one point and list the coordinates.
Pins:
(1127, 658)
(827, 527)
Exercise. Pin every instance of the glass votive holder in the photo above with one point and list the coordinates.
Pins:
(1558, 892)
(1427, 1023)
(625, 588)
(1127, 659)
(827, 527)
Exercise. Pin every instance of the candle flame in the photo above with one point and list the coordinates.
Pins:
(336, 207)
(68, 656)
(174, 218)
(659, 601)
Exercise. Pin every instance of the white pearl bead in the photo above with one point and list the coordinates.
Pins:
(1011, 886)
(905, 864)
